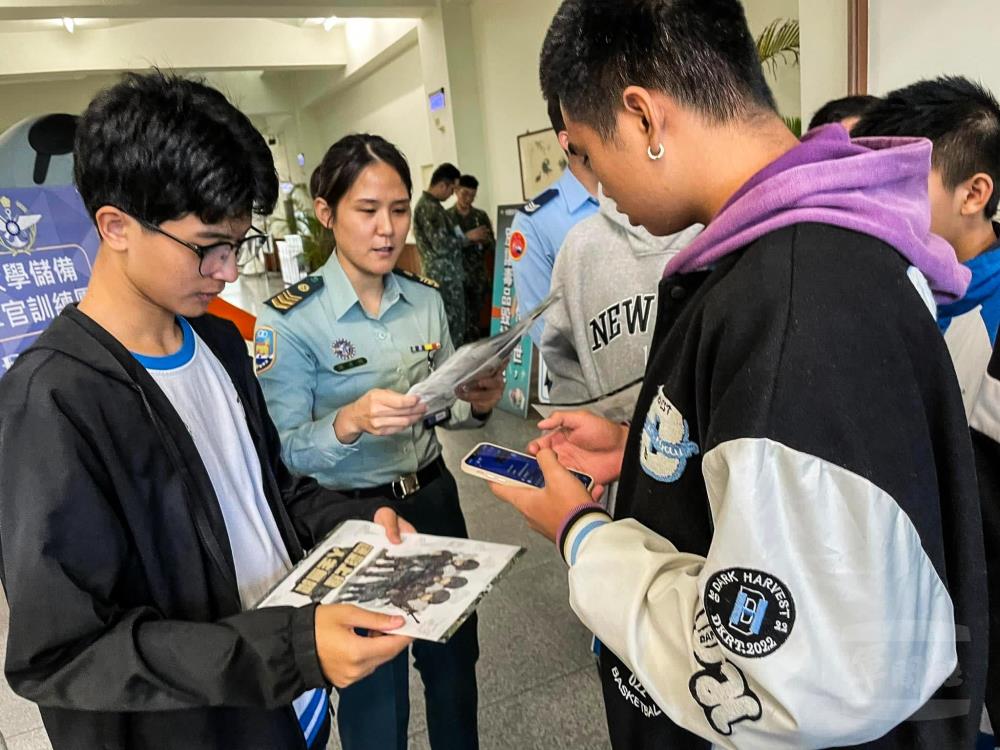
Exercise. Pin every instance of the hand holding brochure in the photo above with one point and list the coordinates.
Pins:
(435, 582)
(476, 361)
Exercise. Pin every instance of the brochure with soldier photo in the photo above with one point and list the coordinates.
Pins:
(435, 582)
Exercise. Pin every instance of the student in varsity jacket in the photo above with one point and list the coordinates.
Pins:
(596, 337)
(145, 507)
(962, 120)
(796, 556)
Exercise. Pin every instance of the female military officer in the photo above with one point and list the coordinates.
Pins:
(335, 354)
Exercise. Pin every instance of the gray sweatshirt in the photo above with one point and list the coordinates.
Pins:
(596, 337)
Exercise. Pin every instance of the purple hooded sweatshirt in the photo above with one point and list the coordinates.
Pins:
(875, 186)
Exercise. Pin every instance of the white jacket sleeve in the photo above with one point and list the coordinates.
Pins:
(816, 619)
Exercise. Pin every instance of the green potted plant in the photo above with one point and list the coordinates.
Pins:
(778, 44)
(317, 240)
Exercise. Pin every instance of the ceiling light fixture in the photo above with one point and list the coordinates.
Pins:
(329, 23)
(69, 24)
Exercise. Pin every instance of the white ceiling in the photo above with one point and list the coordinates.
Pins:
(48, 9)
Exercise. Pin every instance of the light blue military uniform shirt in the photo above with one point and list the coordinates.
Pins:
(325, 351)
(543, 224)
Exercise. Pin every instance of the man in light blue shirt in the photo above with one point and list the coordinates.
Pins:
(543, 223)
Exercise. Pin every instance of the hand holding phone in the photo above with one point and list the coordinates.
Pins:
(504, 466)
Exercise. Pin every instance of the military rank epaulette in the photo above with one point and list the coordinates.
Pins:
(417, 278)
(536, 203)
(298, 292)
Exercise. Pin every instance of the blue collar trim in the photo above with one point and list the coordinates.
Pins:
(172, 361)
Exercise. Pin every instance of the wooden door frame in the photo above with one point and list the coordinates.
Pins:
(857, 47)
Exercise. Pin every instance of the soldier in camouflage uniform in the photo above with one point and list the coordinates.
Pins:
(478, 231)
(441, 245)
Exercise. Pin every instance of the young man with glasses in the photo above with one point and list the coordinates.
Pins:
(145, 507)
(213, 256)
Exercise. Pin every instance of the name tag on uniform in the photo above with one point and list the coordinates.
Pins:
(345, 366)
(437, 418)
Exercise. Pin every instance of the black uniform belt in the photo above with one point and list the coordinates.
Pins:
(404, 486)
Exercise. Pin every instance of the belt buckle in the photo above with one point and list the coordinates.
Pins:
(405, 486)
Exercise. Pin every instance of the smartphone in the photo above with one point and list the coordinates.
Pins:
(504, 466)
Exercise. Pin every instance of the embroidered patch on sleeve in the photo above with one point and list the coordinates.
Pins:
(721, 688)
(665, 446)
(518, 246)
(265, 349)
(751, 613)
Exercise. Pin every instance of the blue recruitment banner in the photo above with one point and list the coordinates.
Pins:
(518, 387)
(47, 249)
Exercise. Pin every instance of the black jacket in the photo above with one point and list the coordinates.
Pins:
(125, 619)
(985, 423)
(798, 544)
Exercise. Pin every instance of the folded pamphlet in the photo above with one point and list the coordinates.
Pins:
(475, 361)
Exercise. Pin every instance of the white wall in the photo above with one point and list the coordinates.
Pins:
(786, 83)
(914, 39)
(824, 53)
(508, 37)
(434, 68)
(390, 103)
(71, 96)
(465, 98)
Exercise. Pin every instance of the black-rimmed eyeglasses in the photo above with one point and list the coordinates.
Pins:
(215, 256)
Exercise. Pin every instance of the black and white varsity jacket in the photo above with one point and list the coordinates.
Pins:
(796, 559)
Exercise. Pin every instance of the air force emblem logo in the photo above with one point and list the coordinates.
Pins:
(665, 448)
(17, 227)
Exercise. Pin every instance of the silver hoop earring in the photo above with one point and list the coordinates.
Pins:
(657, 156)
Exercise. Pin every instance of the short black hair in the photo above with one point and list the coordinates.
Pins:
(159, 147)
(700, 52)
(468, 181)
(314, 180)
(959, 116)
(556, 115)
(840, 109)
(346, 159)
(445, 173)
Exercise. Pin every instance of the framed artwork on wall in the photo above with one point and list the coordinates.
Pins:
(542, 161)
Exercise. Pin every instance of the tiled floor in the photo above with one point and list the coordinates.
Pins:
(538, 687)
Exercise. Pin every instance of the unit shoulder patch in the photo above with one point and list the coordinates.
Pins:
(265, 349)
(297, 293)
(417, 278)
(537, 202)
(517, 246)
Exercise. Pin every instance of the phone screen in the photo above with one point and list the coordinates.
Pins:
(513, 466)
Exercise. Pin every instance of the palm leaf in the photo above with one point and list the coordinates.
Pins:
(317, 240)
(794, 124)
(779, 42)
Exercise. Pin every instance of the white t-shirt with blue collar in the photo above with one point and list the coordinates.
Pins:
(202, 393)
